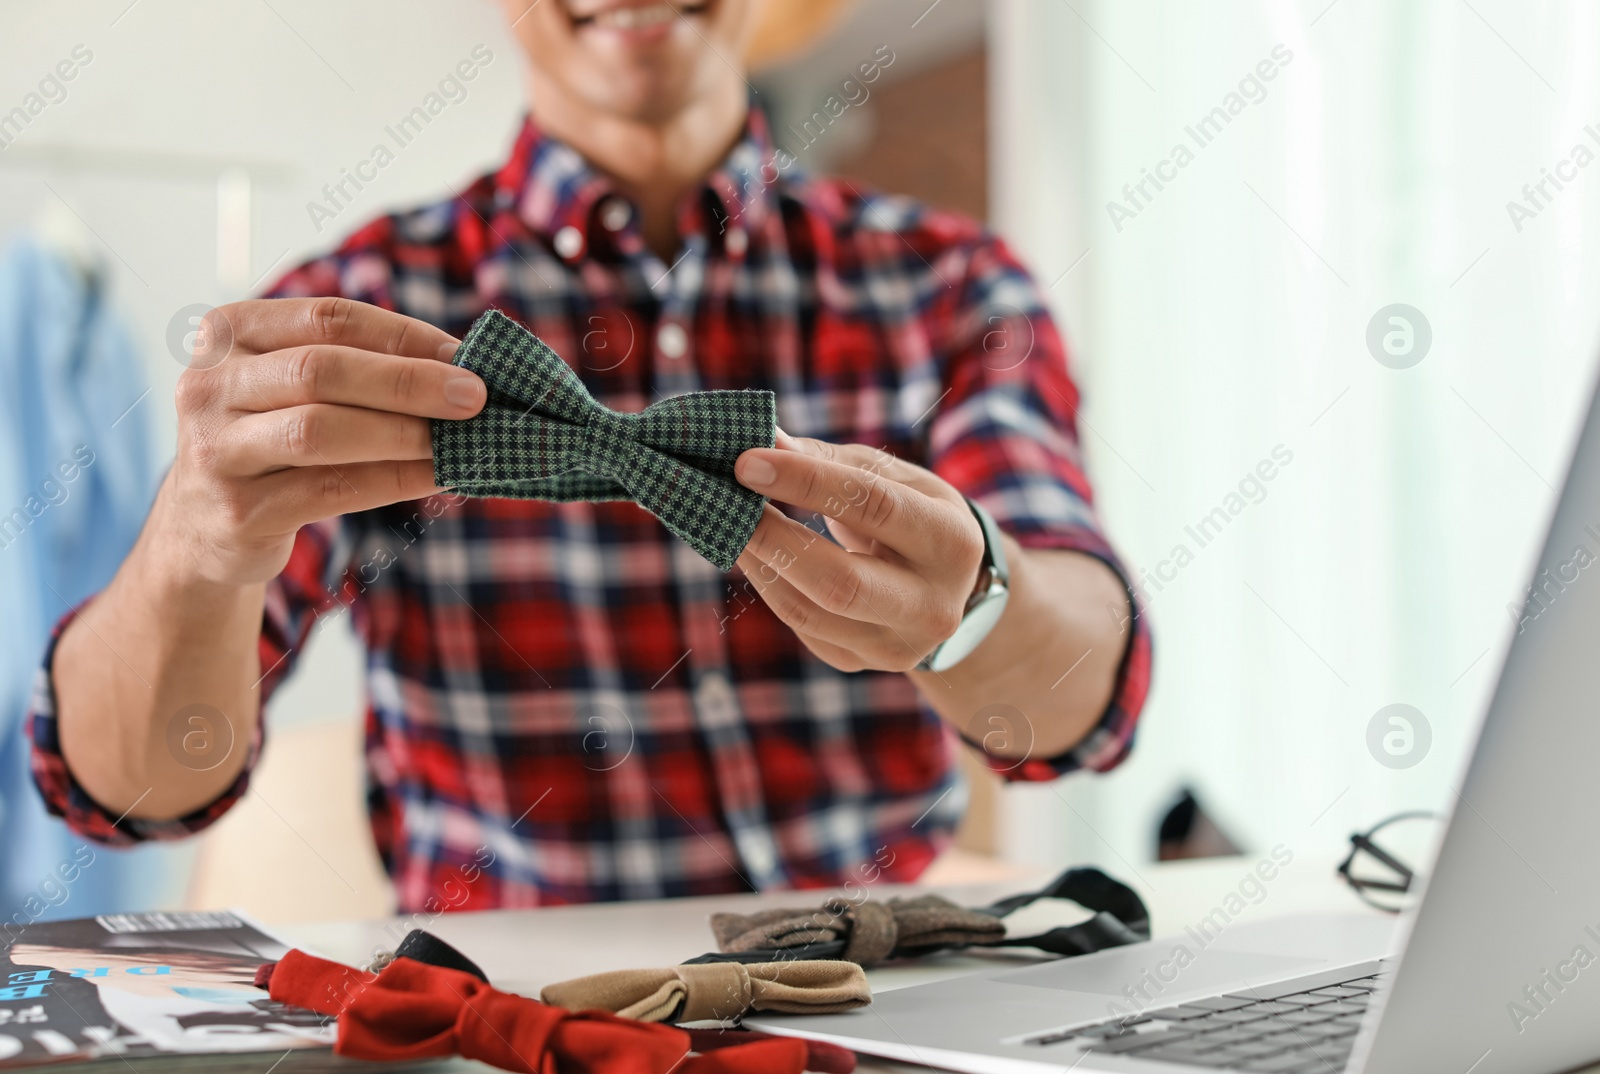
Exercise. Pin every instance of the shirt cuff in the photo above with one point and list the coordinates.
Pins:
(1109, 742)
(64, 797)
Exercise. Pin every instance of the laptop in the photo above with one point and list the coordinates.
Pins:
(1496, 970)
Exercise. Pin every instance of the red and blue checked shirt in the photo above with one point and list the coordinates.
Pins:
(568, 692)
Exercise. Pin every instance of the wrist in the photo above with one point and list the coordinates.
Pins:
(187, 551)
(166, 555)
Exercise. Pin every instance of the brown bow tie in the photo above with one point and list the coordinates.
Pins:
(869, 932)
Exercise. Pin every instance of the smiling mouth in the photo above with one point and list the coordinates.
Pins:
(642, 17)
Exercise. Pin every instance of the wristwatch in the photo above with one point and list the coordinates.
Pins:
(984, 607)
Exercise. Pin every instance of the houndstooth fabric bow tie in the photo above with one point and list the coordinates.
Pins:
(542, 436)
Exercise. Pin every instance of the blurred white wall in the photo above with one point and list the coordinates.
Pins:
(1228, 314)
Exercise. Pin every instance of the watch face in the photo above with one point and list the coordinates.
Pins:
(975, 626)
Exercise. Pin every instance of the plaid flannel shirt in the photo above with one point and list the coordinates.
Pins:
(567, 692)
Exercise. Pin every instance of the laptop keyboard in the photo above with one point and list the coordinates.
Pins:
(1292, 1028)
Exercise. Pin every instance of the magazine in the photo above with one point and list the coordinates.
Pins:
(154, 991)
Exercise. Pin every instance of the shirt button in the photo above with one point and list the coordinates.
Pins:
(715, 699)
(714, 688)
(569, 242)
(737, 241)
(614, 214)
(758, 853)
(672, 340)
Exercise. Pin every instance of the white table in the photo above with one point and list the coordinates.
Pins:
(524, 950)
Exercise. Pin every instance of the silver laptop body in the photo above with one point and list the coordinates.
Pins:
(1497, 971)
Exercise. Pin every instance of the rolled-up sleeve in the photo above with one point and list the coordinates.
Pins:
(1006, 435)
(294, 600)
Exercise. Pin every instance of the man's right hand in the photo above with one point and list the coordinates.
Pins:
(295, 410)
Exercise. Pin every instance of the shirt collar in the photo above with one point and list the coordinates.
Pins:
(552, 186)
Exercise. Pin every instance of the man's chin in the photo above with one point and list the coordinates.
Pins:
(649, 113)
(644, 96)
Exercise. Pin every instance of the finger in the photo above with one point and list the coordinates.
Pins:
(852, 540)
(292, 498)
(872, 460)
(352, 377)
(844, 583)
(802, 614)
(844, 643)
(270, 324)
(324, 435)
(874, 505)
(835, 655)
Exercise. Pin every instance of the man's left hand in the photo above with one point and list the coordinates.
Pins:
(909, 550)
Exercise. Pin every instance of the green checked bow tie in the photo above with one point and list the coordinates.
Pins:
(542, 436)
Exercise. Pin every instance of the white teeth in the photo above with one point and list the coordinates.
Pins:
(636, 18)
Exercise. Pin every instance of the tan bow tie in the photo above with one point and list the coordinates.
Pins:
(718, 991)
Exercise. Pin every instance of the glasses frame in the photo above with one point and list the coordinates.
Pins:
(1367, 841)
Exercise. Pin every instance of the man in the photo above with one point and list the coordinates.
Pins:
(567, 704)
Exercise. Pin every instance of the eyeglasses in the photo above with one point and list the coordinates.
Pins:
(1378, 866)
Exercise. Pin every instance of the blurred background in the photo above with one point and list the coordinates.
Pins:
(1350, 245)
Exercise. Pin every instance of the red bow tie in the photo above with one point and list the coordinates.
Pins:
(415, 1011)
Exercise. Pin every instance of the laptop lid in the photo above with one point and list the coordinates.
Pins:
(1501, 970)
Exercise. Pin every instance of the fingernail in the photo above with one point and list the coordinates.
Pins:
(464, 390)
(757, 471)
(792, 443)
(447, 351)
